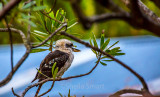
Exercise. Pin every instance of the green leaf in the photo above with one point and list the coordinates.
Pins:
(113, 44)
(29, 5)
(118, 54)
(40, 33)
(105, 44)
(58, 16)
(90, 41)
(49, 24)
(116, 49)
(107, 60)
(107, 51)
(42, 73)
(55, 73)
(103, 63)
(60, 94)
(104, 57)
(102, 40)
(38, 50)
(32, 24)
(53, 67)
(94, 40)
(69, 95)
(38, 8)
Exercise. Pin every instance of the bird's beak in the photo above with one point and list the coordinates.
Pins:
(75, 50)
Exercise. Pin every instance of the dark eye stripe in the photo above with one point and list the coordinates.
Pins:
(69, 45)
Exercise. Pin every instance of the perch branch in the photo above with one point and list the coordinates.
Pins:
(48, 89)
(124, 91)
(110, 56)
(58, 79)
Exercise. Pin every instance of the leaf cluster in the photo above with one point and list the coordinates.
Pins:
(104, 45)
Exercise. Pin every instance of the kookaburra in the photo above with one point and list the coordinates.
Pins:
(63, 57)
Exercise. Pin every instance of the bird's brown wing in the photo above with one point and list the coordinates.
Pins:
(46, 65)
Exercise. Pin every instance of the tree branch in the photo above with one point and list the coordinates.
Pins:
(124, 91)
(16, 31)
(11, 43)
(48, 89)
(10, 75)
(8, 7)
(43, 42)
(110, 5)
(59, 79)
(110, 56)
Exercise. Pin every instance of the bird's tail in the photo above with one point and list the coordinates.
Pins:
(39, 87)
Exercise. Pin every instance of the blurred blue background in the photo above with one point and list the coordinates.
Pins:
(142, 55)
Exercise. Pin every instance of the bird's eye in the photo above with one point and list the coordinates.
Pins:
(69, 45)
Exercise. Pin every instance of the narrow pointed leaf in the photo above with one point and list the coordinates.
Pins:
(69, 93)
(60, 94)
(53, 67)
(103, 63)
(90, 41)
(42, 73)
(28, 5)
(38, 50)
(38, 8)
(102, 40)
(113, 44)
(107, 60)
(105, 44)
(94, 40)
(55, 73)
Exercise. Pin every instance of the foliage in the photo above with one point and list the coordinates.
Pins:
(18, 18)
(104, 46)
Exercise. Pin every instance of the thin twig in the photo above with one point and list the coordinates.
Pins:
(51, 17)
(16, 31)
(11, 44)
(53, 6)
(124, 91)
(43, 42)
(15, 93)
(110, 56)
(8, 7)
(59, 79)
(48, 89)
(10, 75)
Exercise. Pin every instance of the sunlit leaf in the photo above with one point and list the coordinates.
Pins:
(55, 73)
(53, 68)
(38, 8)
(102, 39)
(92, 45)
(105, 44)
(94, 40)
(38, 50)
(42, 73)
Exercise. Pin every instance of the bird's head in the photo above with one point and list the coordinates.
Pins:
(65, 45)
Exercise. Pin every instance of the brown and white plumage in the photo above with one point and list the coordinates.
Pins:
(62, 56)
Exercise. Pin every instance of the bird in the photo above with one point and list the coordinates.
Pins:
(62, 55)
